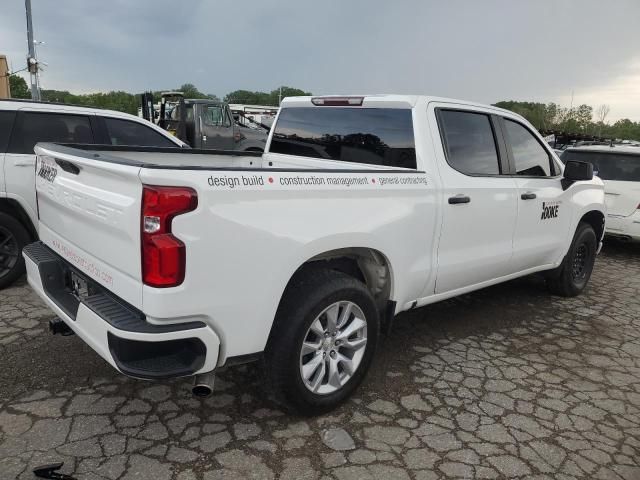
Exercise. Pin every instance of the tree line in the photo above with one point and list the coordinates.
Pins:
(551, 117)
(129, 102)
(545, 117)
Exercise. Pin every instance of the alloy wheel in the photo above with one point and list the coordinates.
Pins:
(333, 347)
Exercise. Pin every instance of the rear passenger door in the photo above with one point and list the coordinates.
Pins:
(30, 128)
(543, 210)
(479, 198)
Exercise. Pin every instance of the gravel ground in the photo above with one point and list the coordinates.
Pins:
(507, 382)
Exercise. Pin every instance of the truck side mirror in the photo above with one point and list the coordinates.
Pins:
(576, 171)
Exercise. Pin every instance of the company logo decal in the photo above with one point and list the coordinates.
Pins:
(48, 171)
(549, 210)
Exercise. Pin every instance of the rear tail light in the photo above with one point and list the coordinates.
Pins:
(163, 255)
(337, 101)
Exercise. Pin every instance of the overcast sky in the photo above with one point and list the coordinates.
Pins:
(482, 50)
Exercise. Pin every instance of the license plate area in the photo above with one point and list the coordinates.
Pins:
(79, 286)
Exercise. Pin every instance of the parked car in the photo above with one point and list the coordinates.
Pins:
(25, 123)
(619, 168)
(361, 208)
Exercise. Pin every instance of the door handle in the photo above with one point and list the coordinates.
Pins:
(528, 196)
(24, 162)
(459, 199)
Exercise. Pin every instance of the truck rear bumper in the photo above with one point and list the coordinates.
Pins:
(118, 332)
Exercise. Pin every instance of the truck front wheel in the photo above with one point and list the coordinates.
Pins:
(572, 276)
(322, 341)
(13, 237)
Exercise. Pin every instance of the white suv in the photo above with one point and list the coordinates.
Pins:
(25, 123)
(619, 168)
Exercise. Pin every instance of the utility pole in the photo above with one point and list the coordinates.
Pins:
(32, 60)
(280, 97)
(571, 105)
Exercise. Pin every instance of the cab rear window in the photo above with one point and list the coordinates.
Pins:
(375, 136)
(609, 166)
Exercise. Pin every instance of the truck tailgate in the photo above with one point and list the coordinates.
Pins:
(89, 213)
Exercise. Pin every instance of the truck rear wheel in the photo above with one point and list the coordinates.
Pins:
(13, 238)
(572, 276)
(322, 341)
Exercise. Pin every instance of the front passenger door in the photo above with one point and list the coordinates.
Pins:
(543, 210)
(217, 128)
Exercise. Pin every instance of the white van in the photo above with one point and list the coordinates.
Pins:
(23, 123)
(619, 167)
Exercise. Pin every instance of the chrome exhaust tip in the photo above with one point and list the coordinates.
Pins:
(203, 385)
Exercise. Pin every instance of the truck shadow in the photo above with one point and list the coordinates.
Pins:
(513, 316)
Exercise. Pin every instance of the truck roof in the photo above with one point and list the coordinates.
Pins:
(627, 149)
(203, 100)
(17, 104)
(389, 101)
(20, 104)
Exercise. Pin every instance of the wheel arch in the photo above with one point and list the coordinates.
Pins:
(13, 208)
(366, 264)
(596, 219)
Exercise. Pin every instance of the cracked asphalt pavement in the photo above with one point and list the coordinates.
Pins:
(507, 382)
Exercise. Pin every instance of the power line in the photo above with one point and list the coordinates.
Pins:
(13, 73)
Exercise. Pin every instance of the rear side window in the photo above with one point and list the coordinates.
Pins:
(469, 142)
(125, 132)
(6, 124)
(531, 159)
(375, 136)
(609, 166)
(49, 127)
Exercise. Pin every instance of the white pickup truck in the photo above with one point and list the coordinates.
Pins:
(176, 264)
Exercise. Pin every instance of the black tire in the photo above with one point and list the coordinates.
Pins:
(309, 293)
(572, 276)
(13, 238)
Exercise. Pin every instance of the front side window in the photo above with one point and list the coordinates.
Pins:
(125, 132)
(214, 115)
(609, 165)
(469, 143)
(530, 158)
(50, 127)
(375, 136)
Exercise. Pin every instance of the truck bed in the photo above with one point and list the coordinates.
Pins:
(159, 157)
